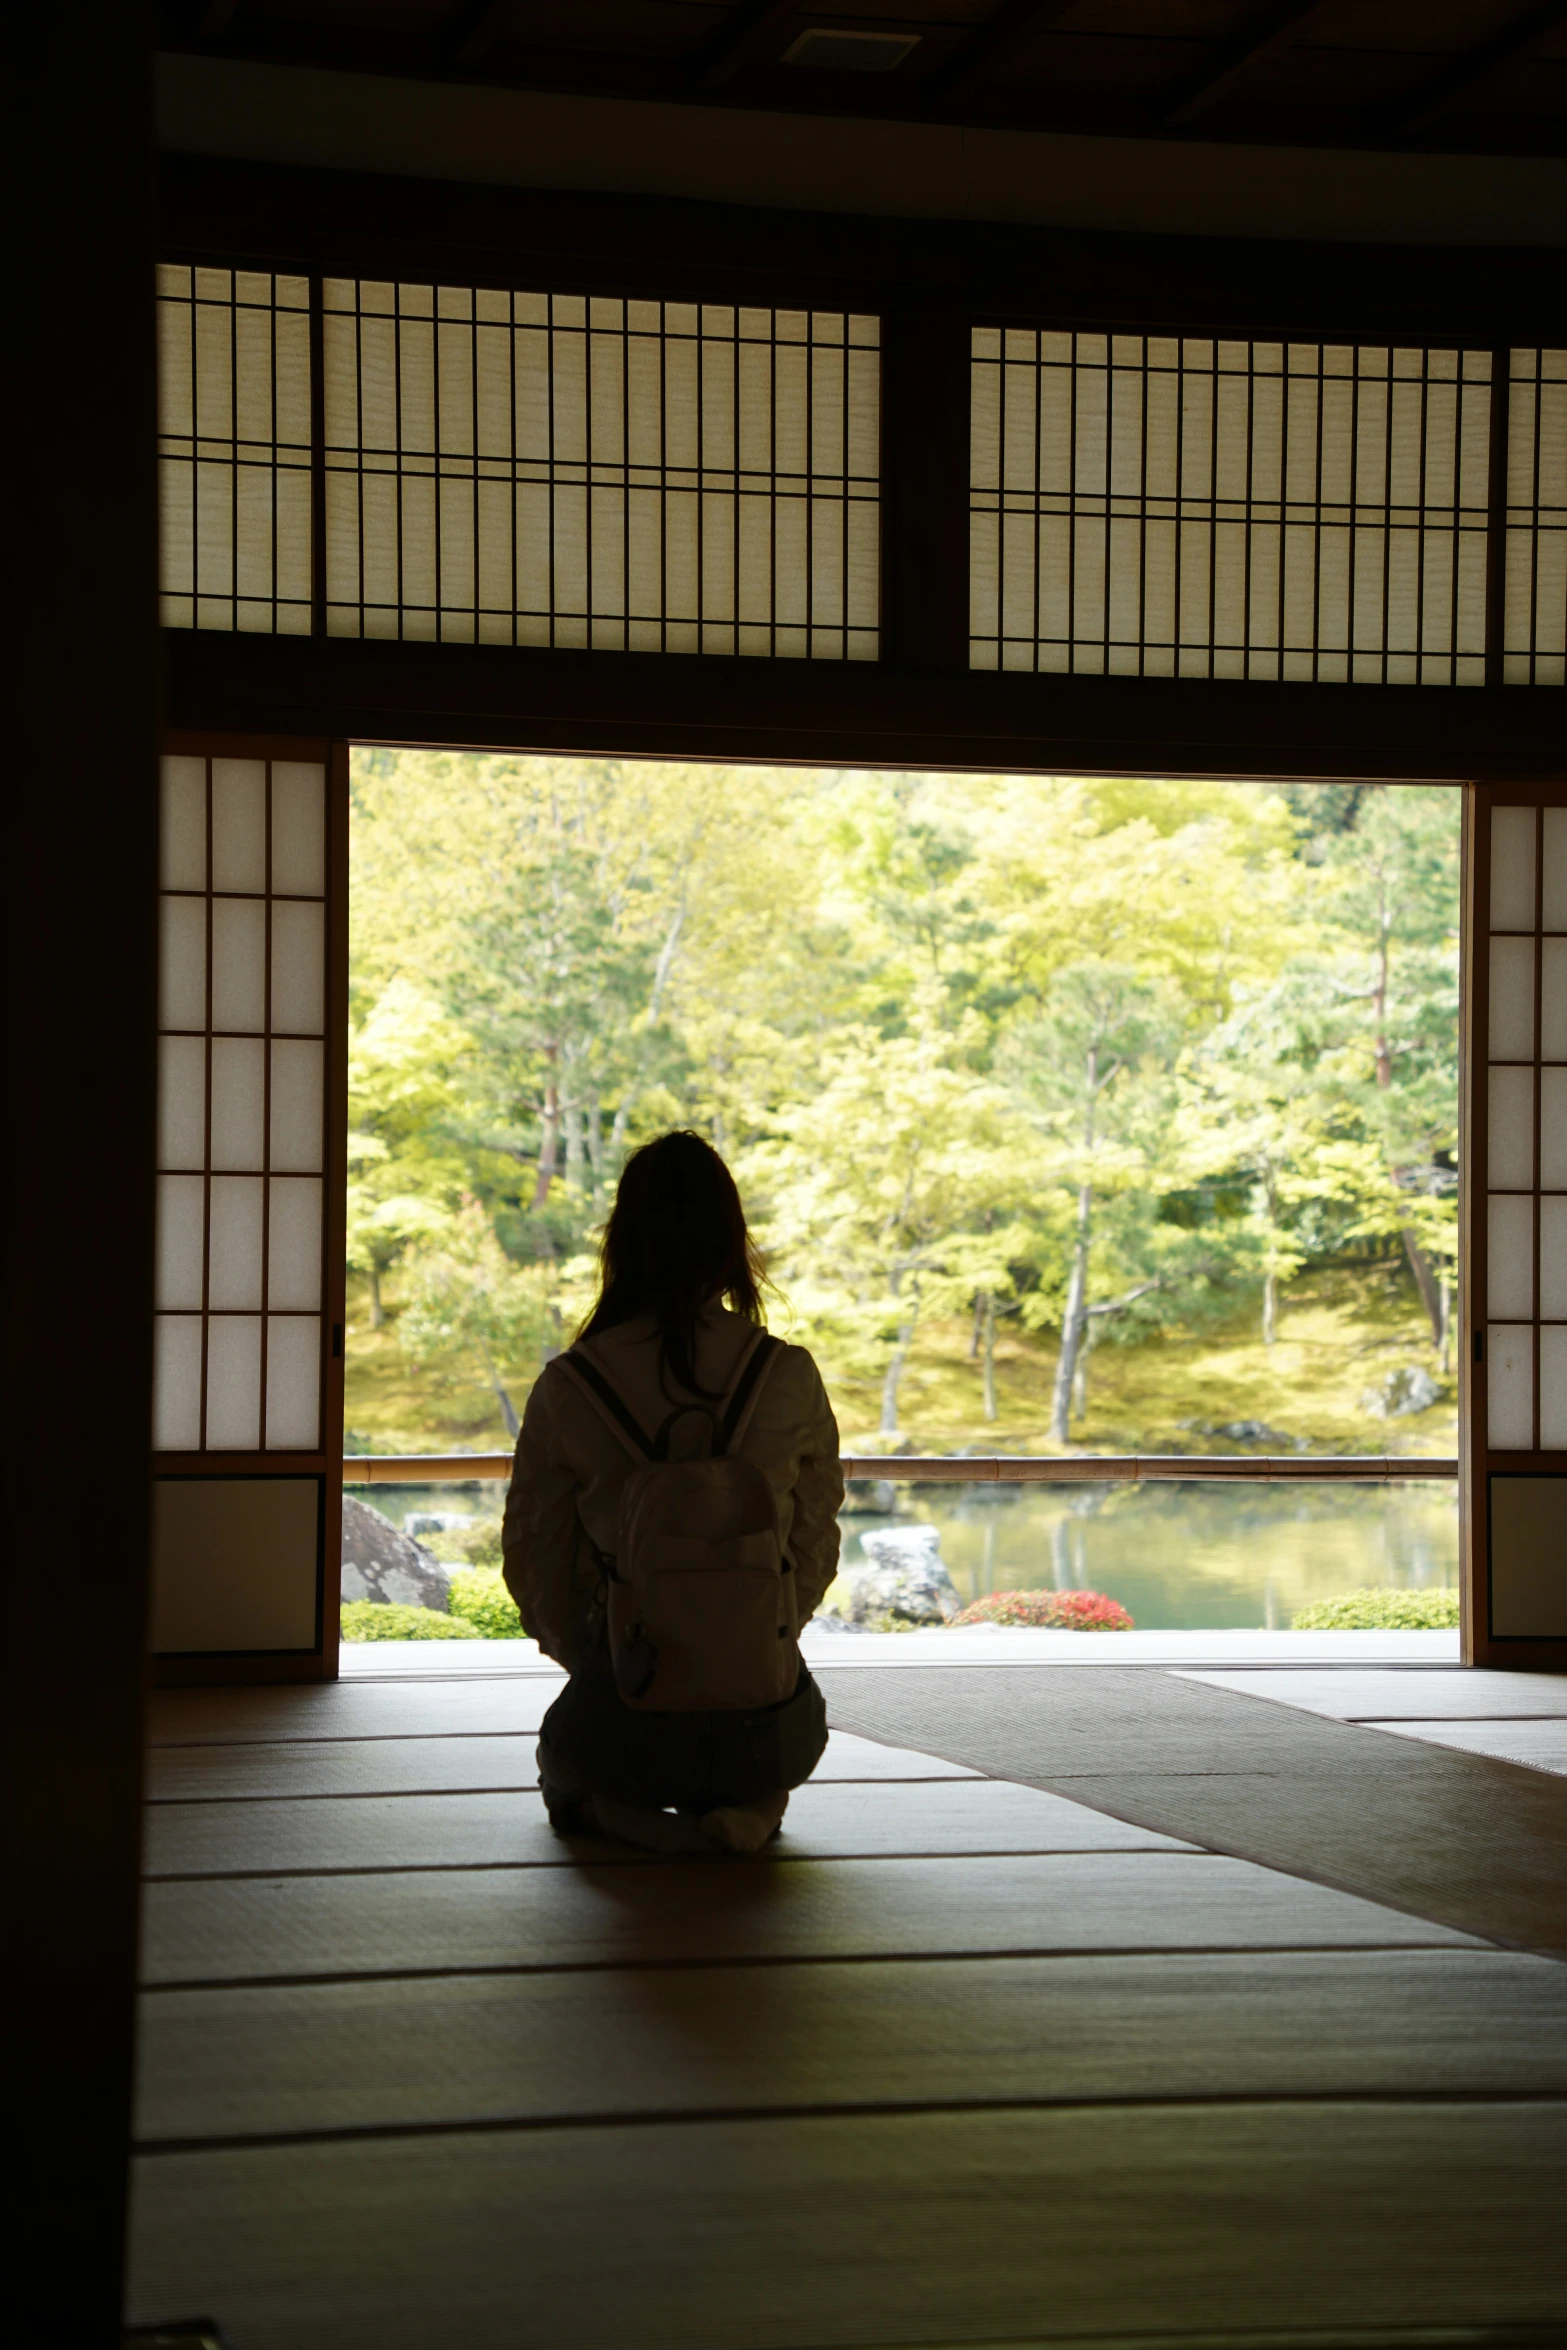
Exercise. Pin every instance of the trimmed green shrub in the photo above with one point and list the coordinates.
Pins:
(1054, 1611)
(486, 1609)
(1370, 1610)
(474, 1545)
(374, 1619)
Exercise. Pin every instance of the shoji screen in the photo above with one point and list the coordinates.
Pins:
(1535, 630)
(234, 449)
(248, 1368)
(1143, 505)
(1516, 1224)
(549, 469)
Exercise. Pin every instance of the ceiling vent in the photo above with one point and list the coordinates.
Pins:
(823, 51)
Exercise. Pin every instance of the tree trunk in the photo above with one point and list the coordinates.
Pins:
(889, 1385)
(1080, 1375)
(1074, 1321)
(1426, 1282)
(549, 1140)
(377, 1309)
(509, 1417)
(989, 1359)
(1270, 1308)
(977, 1330)
(571, 1120)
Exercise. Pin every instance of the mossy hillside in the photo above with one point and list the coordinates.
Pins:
(1342, 1329)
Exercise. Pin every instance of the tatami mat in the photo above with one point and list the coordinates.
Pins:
(221, 1929)
(305, 2058)
(963, 2060)
(1446, 1835)
(236, 1770)
(933, 2228)
(827, 1820)
(1370, 1695)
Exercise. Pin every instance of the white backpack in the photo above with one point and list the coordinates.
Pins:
(700, 1600)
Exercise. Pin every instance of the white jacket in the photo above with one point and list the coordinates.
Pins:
(570, 1466)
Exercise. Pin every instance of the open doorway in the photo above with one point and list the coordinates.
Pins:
(1077, 1116)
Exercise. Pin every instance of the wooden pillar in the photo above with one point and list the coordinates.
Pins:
(80, 880)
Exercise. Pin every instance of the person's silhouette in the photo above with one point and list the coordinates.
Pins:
(672, 1523)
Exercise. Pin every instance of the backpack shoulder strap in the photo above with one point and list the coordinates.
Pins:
(747, 1387)
(609, 1400)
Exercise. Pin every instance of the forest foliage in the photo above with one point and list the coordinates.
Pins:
(1103, 1062)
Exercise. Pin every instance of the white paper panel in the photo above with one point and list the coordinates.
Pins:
(1553, 999)
(238, 1102)
(1553, 1257)
(1553, 1129)
(1528, 1527)
(1126, 496)
(182, 1092)
(628, 476)
(297, 1072)
(182, 961)
(234, 1249)
(1554, 892)
(182, 830)
(234, 1383)
(1553, 1390)
(239, 824)
(1509, 1357)
(294, 1244)
(293, 1383)
(1512, 999)
(1512, 868)
(235, 1563)
(298, 968)
(1510, 1257)
(298, 828)
(239, 934)
(181, 1205)
(1509, 1138)
(176, 1382)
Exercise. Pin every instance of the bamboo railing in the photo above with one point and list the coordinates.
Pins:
(1121, 1468)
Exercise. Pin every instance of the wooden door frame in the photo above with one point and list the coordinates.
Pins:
(320, 1663)
(1477, 1463)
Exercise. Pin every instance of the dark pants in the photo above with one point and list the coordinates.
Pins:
(593, 1743)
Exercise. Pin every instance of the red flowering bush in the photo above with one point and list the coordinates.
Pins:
(1056, 1611)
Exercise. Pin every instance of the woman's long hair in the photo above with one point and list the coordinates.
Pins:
(675, 1240)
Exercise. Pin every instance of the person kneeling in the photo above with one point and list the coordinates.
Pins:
(672, 1524)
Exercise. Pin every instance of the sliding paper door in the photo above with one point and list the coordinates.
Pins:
(247, 1419)
(1515, 1228)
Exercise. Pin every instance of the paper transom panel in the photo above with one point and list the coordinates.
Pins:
(508, 468)
(1154, 506)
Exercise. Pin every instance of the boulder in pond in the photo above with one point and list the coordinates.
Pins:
(1409, 1388)
(381, 1562)
(903, 1577)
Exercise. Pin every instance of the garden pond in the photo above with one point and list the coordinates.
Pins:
(1177, 1557)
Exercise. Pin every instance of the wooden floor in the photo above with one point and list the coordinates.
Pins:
(960, 2062)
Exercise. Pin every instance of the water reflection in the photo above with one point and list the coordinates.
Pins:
(1179, 1557)
(1183, 1557)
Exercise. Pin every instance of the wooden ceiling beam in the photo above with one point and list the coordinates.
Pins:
(1277, 29)
(471, 33)
(757, 39)
(214, 18)
(1440, 95)
(991, 49)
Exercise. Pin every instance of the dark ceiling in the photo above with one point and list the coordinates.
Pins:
(1472, 76)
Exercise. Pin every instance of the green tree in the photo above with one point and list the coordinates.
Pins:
(469, 1305)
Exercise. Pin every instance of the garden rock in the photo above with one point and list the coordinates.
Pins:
(382, 1563)
(903, 1576)
(1410, 1388)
